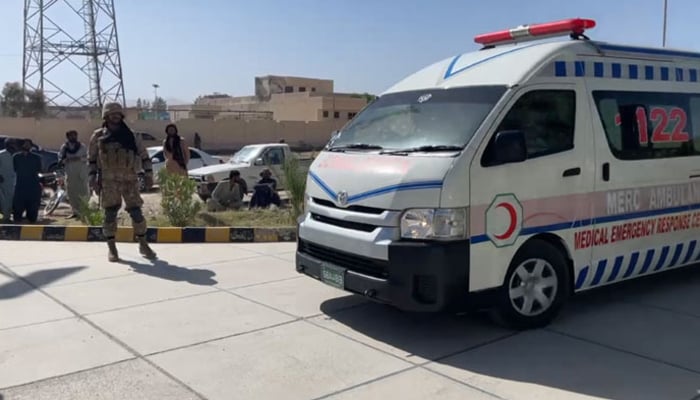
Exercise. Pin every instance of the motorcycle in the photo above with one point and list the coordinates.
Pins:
(56, 181)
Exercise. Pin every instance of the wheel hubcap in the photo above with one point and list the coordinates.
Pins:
(533, 287)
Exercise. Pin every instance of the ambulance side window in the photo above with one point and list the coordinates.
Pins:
(546, 117)
(650, 125)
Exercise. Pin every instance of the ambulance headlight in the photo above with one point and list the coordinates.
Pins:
(435, 224)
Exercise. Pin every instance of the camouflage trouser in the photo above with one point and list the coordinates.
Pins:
(111, 198)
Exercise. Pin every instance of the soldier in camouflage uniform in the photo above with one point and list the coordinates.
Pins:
(115, 156)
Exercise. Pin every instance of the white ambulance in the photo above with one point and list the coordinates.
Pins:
(512, 177)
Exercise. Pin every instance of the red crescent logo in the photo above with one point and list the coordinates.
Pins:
(513, 221)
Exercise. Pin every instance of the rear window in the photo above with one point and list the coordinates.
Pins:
(646, 125)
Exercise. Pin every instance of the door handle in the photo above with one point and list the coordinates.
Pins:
(572, 172)
(606, 171)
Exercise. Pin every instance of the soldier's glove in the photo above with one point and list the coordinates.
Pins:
(148, 180)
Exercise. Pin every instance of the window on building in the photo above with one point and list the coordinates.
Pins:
(302, 89)
(325, 113)
(646, 125)
(336, 114)
(351, 115)
(313, 89)
(546, 117)
(289, 89)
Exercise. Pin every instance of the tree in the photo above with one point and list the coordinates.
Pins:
(18, 103)
(143, 104)
(12, 99)
(35, 104)
(159, 104)
(367, 96)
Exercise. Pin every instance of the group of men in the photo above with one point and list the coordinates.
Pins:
(109, 165)
(228, 194)
(20, 189)
(20, 184)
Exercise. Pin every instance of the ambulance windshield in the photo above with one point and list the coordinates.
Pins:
(429, 119)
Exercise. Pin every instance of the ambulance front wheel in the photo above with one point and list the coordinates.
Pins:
(535, 288)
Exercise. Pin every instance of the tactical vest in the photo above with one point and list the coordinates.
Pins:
(116, 161)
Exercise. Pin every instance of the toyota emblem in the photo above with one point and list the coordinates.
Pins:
(342, 198)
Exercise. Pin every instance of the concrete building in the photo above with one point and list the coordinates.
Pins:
(281, 98)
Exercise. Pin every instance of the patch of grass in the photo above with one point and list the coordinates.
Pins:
(295, 180)
(90, 212)
(242, 218)
(282, 217)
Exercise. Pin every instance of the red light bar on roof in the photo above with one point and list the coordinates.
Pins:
(575, 26)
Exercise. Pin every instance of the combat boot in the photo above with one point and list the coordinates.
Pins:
(113, 254)
(145, 249)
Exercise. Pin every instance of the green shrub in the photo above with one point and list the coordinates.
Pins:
(295, 183)
(91, 213)
(177, 198)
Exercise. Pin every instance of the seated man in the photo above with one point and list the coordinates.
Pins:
(228, 195)
(265, 191)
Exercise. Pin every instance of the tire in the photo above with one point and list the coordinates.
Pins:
(203, 197)
(53, 202)
(547, 270)
(53, 168)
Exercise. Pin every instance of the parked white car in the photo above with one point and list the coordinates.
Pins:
(198, 159)
(249, 161)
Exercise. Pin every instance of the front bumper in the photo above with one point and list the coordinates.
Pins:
(419, 276)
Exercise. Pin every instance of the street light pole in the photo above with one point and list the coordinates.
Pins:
(155, 98)
(665, 22)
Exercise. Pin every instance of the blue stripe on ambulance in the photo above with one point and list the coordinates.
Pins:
(618, 70)
(532, 230)
(630, 262)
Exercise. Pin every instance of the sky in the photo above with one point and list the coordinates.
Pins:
(191, 48)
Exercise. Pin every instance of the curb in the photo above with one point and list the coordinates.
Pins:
(78, 233)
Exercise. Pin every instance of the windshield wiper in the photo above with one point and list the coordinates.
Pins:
(360, 146)
(423, 149)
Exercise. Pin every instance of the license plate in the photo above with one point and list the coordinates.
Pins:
(333, 276)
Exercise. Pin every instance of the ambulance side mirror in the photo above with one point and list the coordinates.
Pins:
(510, 147)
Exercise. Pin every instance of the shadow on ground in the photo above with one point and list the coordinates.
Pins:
(472, 349)
(19, 286)
(164, 270)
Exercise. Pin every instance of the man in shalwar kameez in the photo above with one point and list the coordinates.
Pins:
(73, 157)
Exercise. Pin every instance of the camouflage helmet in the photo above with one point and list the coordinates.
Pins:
(110, 108)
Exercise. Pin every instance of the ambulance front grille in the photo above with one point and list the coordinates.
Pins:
(357, 226)
(359, 209)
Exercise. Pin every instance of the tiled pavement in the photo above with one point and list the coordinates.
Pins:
(237, 322)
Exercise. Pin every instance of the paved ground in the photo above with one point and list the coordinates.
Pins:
(237, 322)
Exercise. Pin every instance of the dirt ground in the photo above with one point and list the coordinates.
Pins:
(151, 208)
